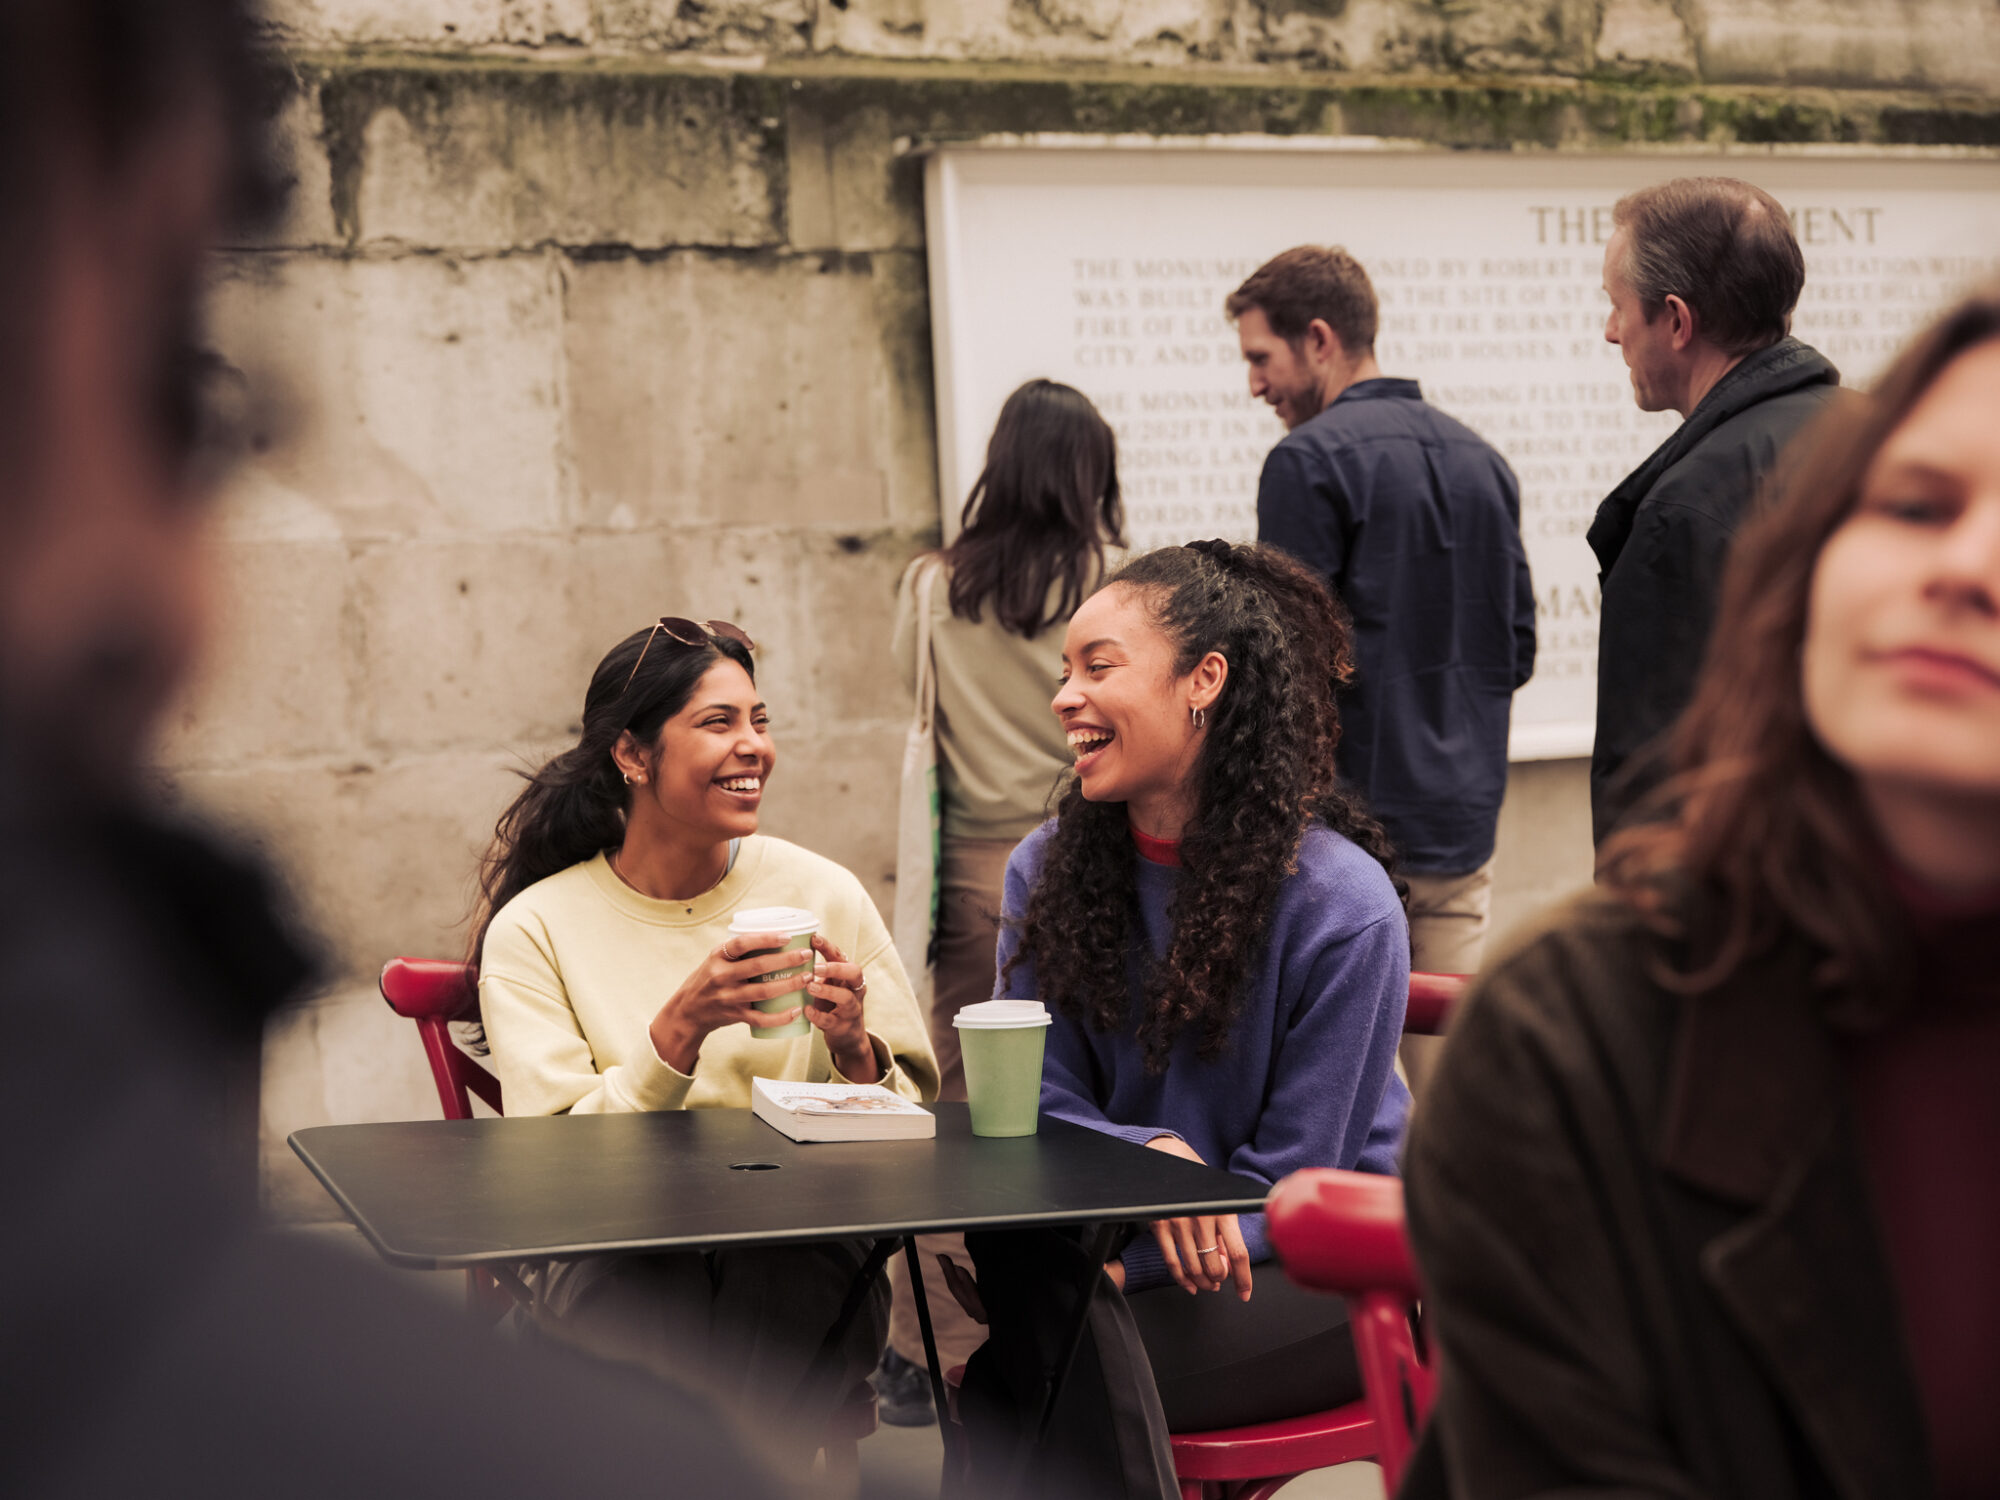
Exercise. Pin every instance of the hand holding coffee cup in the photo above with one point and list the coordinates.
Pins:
(752, 978)
(836, 1009)
(782, 937)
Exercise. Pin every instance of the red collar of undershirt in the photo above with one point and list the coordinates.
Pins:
(1157, 851)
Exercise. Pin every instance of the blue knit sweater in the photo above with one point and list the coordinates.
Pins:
(1308, 1078)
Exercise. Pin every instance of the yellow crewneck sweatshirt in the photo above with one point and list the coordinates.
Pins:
(574, 969)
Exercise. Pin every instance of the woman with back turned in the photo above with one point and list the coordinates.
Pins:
(1212, 920)
(1040, 529)
(1707, 1200)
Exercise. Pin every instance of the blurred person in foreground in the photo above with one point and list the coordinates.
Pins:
(1702, 274)
(156, 1341)
(1044, 524)
(1414, 522)
(1712, 1207)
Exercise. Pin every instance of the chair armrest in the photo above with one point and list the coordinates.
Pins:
(1342, 1232)
(431, 989)
(1433, 997)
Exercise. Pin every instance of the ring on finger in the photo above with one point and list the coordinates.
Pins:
(1207, 1250)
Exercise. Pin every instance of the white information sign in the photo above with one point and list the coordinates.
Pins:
(1104, 264)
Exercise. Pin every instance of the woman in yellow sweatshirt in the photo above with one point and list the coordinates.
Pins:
(609, 981)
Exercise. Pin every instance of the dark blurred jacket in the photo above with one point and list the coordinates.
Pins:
(157, 1342)
(1646, 1236)
(1415, 523)
(1662, 539)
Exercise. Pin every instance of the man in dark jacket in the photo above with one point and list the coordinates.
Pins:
(1415, 523)
(1702, 273)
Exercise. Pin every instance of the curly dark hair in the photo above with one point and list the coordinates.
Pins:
(1264, 774)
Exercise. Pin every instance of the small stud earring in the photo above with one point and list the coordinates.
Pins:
(1197, 717)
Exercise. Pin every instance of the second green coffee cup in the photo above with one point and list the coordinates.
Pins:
(797, 926)
(1001, 1042)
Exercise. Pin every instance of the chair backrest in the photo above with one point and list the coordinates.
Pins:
(1433, 997)
(1343, 1232)
(434, 992)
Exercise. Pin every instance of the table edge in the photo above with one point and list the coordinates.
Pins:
(418, 1260)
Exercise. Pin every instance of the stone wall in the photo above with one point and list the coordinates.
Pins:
(592, 309)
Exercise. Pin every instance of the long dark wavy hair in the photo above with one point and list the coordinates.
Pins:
(1761, 831)
(1042, 510)
(1264, 774)
(574, 807)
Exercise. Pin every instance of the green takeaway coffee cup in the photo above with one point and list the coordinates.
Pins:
(1001, 1042)
(797, 926)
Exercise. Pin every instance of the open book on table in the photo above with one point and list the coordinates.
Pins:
(839, 1111)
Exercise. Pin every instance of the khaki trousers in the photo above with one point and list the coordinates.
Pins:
(971, 876)
(1449, 915)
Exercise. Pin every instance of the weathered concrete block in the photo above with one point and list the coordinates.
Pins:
(1158, 31)
(422, 389)
(1645, 37)
(849, 677)
(299, 144)
(492, 157)
(731, 27)
(903, 317)
(773, 407)
(845, 187)
(432, 23)
(278, 679)
(1939, 44)
(382, 853)
(840, 800)
(1162, 32)
(1388, 36)
(344, 1059)
(491, 643)
(1521, 36)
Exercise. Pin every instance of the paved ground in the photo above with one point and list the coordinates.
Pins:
(906, 1459)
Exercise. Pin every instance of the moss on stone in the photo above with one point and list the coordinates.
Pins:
(938, 102)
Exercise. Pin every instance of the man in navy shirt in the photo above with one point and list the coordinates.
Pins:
(1415, 523)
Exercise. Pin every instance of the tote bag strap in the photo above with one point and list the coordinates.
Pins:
(926, 706)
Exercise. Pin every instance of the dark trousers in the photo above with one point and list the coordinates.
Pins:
(1156, 1362)
(740, 1325)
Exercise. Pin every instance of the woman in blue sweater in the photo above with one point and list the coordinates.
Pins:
(1212, 919)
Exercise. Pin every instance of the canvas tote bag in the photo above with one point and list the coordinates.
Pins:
(918, 821)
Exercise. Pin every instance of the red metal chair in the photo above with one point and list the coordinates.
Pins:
(434, 992)
(1341, 1232)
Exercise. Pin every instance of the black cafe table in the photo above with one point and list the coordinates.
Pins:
(492, 1193)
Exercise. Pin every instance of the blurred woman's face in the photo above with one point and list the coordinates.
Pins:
(1902, 648)
(1122, 705)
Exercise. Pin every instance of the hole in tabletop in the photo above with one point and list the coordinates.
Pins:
(753, 1166)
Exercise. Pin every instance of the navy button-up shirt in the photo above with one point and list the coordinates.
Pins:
(1415, 522)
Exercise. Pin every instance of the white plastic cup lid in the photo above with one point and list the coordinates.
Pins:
(1002, 1015)
(783, 921)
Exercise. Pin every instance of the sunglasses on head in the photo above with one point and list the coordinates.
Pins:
(690, 633)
